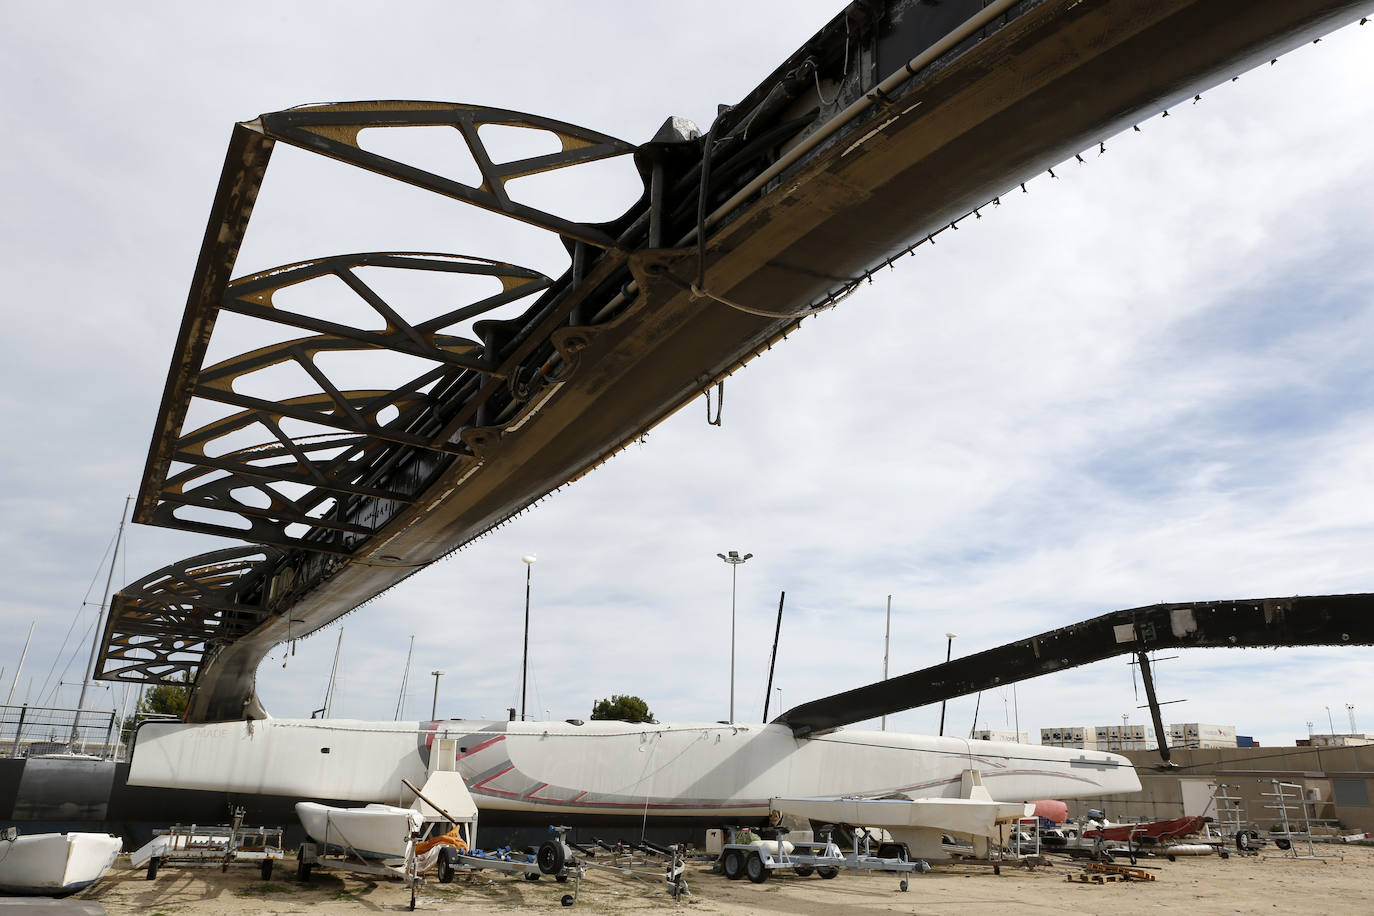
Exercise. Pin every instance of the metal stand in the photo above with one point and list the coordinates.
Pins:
(1288, 796)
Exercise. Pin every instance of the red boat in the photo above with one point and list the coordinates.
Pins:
(1156, 831)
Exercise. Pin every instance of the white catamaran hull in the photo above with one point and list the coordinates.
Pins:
(55, 864)
(606, 768)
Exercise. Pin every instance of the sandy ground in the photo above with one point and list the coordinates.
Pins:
(1198, 886)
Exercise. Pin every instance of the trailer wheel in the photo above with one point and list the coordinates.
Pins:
(805, 871)
(551, 858)
(567, 900)
(755, 869)
(266, 869)
(446, 866)
(827, 871)
(732, 865)
(531, 876)
(153, 863)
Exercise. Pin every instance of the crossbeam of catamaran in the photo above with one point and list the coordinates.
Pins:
(1320, 620)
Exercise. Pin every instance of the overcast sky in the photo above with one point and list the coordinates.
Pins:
(1145, 380)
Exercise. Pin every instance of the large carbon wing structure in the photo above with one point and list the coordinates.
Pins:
(1323, 620)
(891, 124)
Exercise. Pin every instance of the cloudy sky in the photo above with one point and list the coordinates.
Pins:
(1145, 380)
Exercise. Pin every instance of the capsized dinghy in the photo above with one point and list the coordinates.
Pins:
(373, 832)
(54, 864)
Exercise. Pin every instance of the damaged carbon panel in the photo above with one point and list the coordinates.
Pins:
(1324, 620)
(895, 120)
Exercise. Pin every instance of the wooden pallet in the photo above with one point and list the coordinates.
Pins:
(1094, 879)
(1124, 871)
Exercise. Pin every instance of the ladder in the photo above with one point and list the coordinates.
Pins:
(1288, 797)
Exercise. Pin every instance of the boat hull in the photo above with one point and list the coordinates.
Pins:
(561, 771)
(373, 832)
(55, 864)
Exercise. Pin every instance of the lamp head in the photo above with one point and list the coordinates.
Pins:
(528, 559)
(951, 635)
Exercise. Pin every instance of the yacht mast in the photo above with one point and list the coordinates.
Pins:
(99, 629)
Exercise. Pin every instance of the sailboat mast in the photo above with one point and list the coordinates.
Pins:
(17, 671)
(99, 628)
(333, 674)
(405, 681)
(887, 641)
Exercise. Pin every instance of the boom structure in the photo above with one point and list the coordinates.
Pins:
(1323, 620)
(897, 119)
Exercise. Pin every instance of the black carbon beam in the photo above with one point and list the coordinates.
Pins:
(1322, 620)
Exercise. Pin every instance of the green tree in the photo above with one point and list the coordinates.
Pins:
(165, 700)
(622, 708)
(160, 700)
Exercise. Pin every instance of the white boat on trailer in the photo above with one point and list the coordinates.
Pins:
(54, 864)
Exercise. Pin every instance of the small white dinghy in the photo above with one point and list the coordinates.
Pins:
(373, 832)
(54, 864)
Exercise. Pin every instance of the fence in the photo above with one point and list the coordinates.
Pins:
(27, 731)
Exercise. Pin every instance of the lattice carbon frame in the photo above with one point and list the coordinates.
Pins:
(161, 627)
(357, 476)
(895, 120)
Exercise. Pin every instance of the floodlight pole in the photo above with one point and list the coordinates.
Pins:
(734, 559)
(434, 707)
(528, 560)
(949, 647)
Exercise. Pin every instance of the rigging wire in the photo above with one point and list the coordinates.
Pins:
(85, 600)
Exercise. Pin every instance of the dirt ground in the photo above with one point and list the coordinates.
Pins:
(1205, 886)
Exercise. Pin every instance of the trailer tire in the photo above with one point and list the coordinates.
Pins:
(1283, 843)
(266, 869)
(551, 858)
(567, 900)
(153, 863)
(732, 865)
(805, 871)
(531, 876)
(828, 871)
(446, 865)
(755, 869)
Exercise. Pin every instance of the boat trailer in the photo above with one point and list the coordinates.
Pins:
(564, 861)
(223, 845)
(758, 859)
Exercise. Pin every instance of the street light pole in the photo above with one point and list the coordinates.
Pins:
(734, 559)
(528, 560)
(434, 707)
(949, 647)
